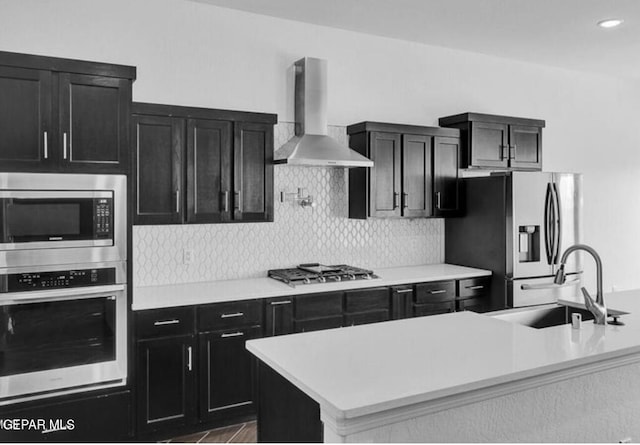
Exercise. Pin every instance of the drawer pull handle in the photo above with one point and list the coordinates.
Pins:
(235, 314)
(278, 303)
(233, 334)
(439, 291)
(166, 322)
(480, 286)
(46, 146)
(404, 291)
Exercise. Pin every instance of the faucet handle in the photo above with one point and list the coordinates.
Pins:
(588, 300)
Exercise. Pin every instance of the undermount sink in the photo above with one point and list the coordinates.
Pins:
(542, 317)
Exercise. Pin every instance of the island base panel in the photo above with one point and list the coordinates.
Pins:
(285, 414)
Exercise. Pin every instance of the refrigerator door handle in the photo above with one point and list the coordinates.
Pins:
(548, 237)
(557, 223)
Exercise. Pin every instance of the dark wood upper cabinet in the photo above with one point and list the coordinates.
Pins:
(446, 181)
(253, 176)
(386, 182)
(526, 147)
(408, 179)
(60, 115)
(209, 170)
(157, 142)
(25, 118)
(220, 169)
(498, 142)
(417, 175)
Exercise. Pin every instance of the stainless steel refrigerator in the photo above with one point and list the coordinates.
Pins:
(517, 225)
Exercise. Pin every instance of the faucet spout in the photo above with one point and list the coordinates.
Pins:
(598, 307)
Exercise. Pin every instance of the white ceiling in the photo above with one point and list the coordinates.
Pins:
(560, 33)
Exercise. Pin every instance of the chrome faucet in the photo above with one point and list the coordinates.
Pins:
(597, 307)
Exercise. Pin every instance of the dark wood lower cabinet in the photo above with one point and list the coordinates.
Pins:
(227, 373)
(317, 324)
(166, 382)
(194, 372)
(88, 418)
(278, 316)
(285, 414)
(420, 310)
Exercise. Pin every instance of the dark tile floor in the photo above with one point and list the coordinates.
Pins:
(241, 433)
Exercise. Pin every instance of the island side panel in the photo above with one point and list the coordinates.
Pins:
(599, 407)
(285, 414)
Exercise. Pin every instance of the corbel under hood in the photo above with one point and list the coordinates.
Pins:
(311, 146)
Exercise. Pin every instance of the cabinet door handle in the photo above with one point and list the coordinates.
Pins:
(190, 358)
(474, 287)
(404, 291)
(439, 291)
(502, 149)
(46, 145)
(512, 149)
(236, 200)
(64, 145)
(405, 200)
(235, 314)
(178, 201)
(166, 322)
(232, 334)
(438, 200)
(225, 201)
(278, 303)
(395, 200)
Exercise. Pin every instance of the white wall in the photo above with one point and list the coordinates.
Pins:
(195, 54)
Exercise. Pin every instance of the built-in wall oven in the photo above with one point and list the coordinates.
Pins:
(63, 293)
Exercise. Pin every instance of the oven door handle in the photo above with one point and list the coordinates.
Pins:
(60, 294)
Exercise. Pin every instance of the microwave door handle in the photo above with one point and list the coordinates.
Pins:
(58, 294)
(547, 225)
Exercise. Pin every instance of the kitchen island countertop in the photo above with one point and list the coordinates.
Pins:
(163, 296)
(359, 373)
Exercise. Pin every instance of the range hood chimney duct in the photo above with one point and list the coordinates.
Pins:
(311, 146)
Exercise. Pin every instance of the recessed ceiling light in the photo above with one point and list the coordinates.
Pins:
(610, 23)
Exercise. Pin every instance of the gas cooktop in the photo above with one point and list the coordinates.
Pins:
(314, 273)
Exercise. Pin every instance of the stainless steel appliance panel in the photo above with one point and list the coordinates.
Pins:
(569, 221)
(67, 252)
(528, 192)
(534, 291)
(92, 362)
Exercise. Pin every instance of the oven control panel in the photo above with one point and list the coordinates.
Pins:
(57, 280)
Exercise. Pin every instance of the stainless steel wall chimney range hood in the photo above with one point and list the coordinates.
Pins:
(311, 146)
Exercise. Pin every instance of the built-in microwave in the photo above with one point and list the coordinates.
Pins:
(61, 218)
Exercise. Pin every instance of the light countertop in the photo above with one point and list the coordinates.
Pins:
(361, 370)
(154, 297)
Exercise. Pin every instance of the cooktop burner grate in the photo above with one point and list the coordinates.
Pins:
(317, 273)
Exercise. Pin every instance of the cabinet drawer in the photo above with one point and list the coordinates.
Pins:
(317, 324)
(318, 305)
(364, 300)
(165, 322)
(365, 317)
(224, 315)
(473, 287)
(420, 310)
(435, 292)
(479, 304)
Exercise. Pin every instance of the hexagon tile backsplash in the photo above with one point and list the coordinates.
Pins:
(321, 234)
